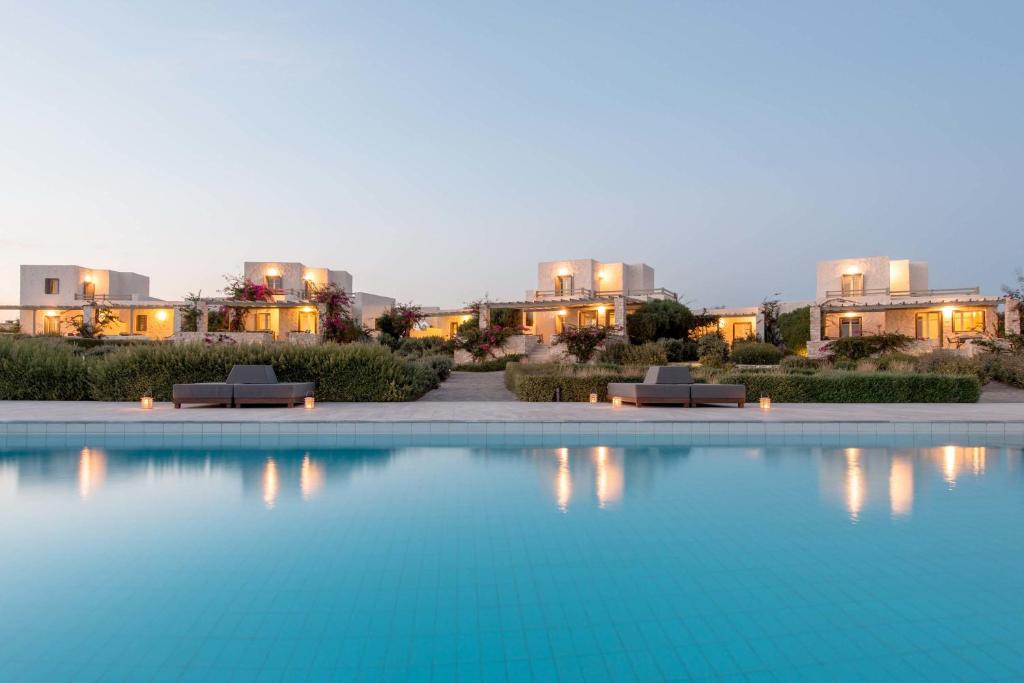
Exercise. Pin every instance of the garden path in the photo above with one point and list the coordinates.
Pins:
(997, 392)
(472, 386)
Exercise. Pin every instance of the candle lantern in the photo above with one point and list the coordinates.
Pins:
(765, 403)
(616, 402)
(310, 403)
(146, 403)
(593, 398)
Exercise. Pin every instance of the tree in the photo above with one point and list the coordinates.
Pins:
(582, 342)
(795, 328)
(659, 319)
(770, 315)
(397, 322)
(336, 320)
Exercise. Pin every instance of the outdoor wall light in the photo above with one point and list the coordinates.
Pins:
(146, 403)
(307, 309)
(601, 310)
(52, 314)
(563, 312)
(853, 270)
(563, 271)
(947, 312)
(161, 316)
(273, 272)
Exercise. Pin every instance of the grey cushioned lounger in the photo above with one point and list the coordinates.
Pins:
(674, 385)
(247, 384)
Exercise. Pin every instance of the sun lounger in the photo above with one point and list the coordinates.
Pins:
(673, 385)
(246, 384)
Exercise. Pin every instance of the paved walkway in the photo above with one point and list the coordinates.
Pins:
(472, 386)
(997, 392)
(495, 411)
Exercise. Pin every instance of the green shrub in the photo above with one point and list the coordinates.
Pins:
(755, 353)
(1003, 367)
(659, 319)
(896, 360)
(613, 352)
(441, 365)
(490, 365)
(644, 355)
(34, 371)
(795, 328)
(712, 350)
(351, 372)
(575, 388)
(419, 347)
(679, 350)
(799, 363)
(858, 387)
(948, 362)
(856, 348)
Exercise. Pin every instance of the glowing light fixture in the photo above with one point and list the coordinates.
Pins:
(601, 310)
(52, 314)
(593, 398)
(161, 316)
(616, 402)
(88, 278)
(766, 403)
(563, 271)
(600, 275)
(146, 403)
(853, 270)
(273, 272)
(563, 312)
(721, 322)
(947, 312)
(310, 403)
(307, 309)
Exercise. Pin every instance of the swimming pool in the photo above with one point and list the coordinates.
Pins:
(628, 561)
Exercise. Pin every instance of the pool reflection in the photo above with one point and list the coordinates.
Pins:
(856, 481)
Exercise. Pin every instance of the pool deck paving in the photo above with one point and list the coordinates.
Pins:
(500, 411)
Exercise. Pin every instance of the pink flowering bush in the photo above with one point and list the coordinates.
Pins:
(336, 321)
(240, 288)
(485, 343)
(583, 342)
(397, 323)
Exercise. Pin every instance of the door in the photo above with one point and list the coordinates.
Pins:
(453, 329)
(307, 321)
(51, 325)
(741, 331)
(929, 326)
(89, 290)
(564, 285)
(849, 327)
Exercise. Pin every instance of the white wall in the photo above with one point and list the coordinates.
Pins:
(875, 269)
(366, 307)
(294, 274)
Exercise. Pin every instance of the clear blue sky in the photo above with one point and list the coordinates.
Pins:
(439, 150)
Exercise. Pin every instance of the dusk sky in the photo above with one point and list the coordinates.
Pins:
(438, 151)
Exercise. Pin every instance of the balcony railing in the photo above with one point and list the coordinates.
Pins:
(583, 293)
(901, 293)
(79, 296)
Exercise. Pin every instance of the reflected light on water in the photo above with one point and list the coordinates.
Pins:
(854, 483)
(563, 480)
(955, 459)
(311, 477)
(901, 486)
(92, 471)
(271, 483)
(608, 479)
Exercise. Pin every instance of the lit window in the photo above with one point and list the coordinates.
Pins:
(51, 325)
(262, 322)
(527, 318)
(742, 331)
(849, 327)
(52, 285)
(853, 284)
(968, 321)
(141, 323)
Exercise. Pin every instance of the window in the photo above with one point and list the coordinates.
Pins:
(453, 329)
(588, 318)
(262, 322)
(527, 318)
(853, 284)
(849, 327)
(307, 321)
(564, 284)
(274, 282)
(51, 285)
(141, 322)
(742, 331)
(51, 325)
(968, 321)
(88, 290)
(928, 325)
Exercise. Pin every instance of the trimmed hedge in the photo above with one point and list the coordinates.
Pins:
(858, 387)
(42, 370)
(755, 353)
(574, 387)
(351, 372)
(492, 365)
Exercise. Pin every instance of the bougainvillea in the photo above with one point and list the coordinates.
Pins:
(483, 343)
(397, 322)
(336, 321)
(582, 342)
(240, 288)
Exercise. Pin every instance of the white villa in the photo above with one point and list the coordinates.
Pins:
(868, 295)
(55, 298)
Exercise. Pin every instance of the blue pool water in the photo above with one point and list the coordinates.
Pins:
(490, 563)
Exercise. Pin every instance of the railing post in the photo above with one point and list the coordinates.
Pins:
(203, 322)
